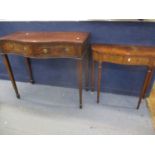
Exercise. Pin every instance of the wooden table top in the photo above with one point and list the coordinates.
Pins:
(30, 37)
(124, 49)
(46, 44)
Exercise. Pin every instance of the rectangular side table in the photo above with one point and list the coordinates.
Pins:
(125, 55)
(46, 45)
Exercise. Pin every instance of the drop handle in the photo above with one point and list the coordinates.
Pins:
(45, 50)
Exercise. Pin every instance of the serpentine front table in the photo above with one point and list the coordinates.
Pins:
(124, 55)
(45, 45)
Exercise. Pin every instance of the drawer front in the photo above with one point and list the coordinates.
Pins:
(56, 51)
(136, 61)
(11, 47)
(108, 58)
(113, 59)
(43, 50)
(119, 59)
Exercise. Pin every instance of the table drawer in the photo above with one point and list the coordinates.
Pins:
(43, 50)
(56, 51)
(119, 59)
(108, 58)
(10, 47)
(113, 58)
(136, 60)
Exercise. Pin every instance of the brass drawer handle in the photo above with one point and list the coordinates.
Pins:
(45, 50)
(66, 49)
(129, 59)
(25, 48)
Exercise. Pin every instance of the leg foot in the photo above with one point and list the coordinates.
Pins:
(18, 96)
(138, 105)
(80, 81)
(146, 84)
(32, 81)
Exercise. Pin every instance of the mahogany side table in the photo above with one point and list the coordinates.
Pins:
(125, 55)
(46, 45)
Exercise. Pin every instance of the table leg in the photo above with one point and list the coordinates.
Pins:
(9, 69)
(145, 85)
(86, 71)
(148, 82)
(99, 80)
(79, 65)
(92, 75)
(29, 69)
